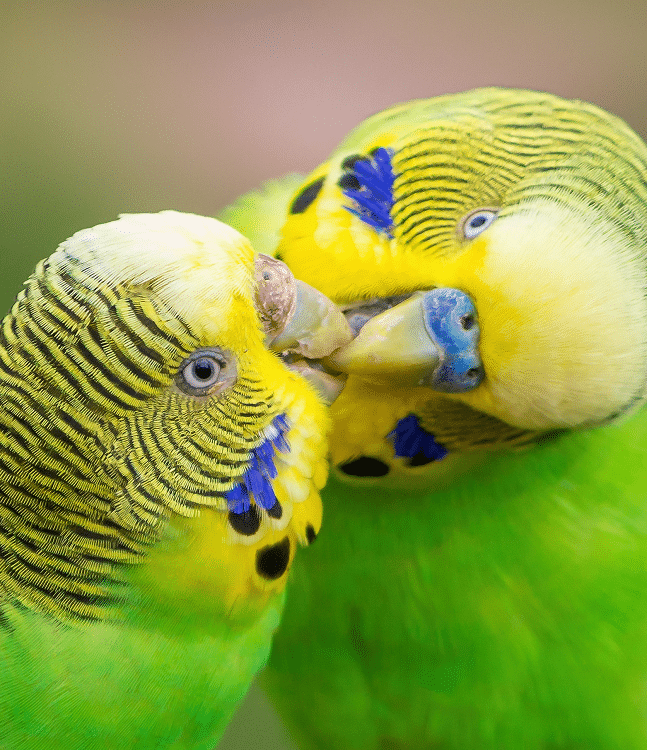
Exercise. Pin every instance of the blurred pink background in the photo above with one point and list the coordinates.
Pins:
(110, 107)
(127, 106)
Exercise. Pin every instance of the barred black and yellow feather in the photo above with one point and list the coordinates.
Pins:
(88, 467)
(446, 166)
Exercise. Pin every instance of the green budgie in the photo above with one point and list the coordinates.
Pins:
(481, 582)
(158, 465)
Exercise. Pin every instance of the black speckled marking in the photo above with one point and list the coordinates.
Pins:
(420, 459)
(307, 196)
(276, 511)
(272, 561)
(246, 523)
(348, 181)
(311, 534)
(365, 466)
(350, 161)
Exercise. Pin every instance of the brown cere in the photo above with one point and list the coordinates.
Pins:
(276, 294)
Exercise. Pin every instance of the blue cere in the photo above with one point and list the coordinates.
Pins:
(260, 470)
(374, 198)
(451, 322)
(410, 439)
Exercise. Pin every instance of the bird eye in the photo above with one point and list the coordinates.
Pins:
(201, 373)
(476, 222)
(204, 372)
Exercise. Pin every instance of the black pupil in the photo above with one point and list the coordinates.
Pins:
(478, 221)
(203, 369)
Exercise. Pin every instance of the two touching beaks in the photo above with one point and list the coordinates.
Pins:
(429, 339)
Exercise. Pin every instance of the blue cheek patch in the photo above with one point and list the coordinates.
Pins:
(368, 182)
(260, 470)
(451, 322)
(411, 440)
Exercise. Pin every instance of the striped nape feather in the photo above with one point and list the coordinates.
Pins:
(445, 168)
(458, 427)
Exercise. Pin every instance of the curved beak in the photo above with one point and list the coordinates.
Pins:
(431, 339)
(327, 385)
(301, 324)
(315, 328)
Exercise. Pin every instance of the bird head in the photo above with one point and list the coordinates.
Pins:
(488, 247)
(146, 420)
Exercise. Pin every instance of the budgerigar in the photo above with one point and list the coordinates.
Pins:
(159, 466)
(481, 583)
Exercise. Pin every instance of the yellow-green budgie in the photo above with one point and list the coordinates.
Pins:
(159, 466)
(481, 583)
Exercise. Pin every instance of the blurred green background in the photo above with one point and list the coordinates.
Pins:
(110, 107)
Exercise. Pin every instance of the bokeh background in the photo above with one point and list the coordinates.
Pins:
(110, 107)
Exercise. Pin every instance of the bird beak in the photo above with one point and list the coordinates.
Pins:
(301, 324)
(430, 340)
(327, 385)
(315, 328)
